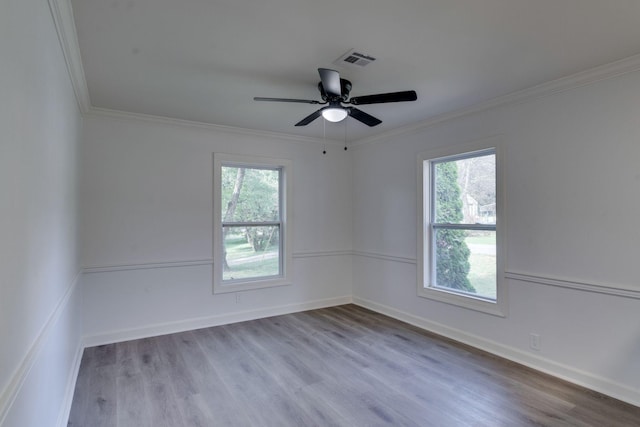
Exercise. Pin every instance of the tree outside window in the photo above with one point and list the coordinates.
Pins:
(464, 234)
(251, 222)
(460, 238)
(251, 227)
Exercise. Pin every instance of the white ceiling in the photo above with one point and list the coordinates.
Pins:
(205, 60)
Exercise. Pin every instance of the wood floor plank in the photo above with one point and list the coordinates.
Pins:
(95, 401)
(132, 406)
(269, 353)
(246, 380)
(79, 408)
(162, 402)
(339, 366)
(213, 401)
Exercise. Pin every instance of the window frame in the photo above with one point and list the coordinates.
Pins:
(426, 253)
(221, 160)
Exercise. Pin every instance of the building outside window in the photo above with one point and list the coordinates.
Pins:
(460, 258)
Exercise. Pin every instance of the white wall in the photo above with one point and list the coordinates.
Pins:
(571, 190)
(572, 202)
(572, 181)
(146, 196)
(40, 126)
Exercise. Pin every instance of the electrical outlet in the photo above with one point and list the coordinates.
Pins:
(534, 342)
(238, 297)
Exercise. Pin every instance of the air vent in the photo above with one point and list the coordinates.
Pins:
(354, 58)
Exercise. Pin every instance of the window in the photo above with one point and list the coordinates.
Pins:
(251, 228)
(459, 250)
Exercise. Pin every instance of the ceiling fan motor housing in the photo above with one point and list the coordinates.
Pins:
(345, 88)
(335, 94)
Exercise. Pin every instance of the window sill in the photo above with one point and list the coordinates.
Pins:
(477, 304)
(249, 284)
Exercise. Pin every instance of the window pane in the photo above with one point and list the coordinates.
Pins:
(482, 274)
(465, 190)
(250, 194)
(465, 261)
(251, 252)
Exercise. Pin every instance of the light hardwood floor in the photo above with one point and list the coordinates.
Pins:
(340, 366)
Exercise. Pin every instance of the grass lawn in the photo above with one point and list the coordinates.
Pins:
(259, 268)
(238, 247)
(257, 264)
(489, 239)
(483, 274)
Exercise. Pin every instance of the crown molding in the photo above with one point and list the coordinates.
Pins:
(124, 115)
(62, 14)
(613, 69)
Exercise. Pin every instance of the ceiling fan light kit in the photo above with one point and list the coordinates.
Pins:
(334, 114)
(335, 92)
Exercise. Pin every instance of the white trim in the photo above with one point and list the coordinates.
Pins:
(608, 289)
(11, 390)
(63, 18)
(315, 254)
(559, 370)
(147, 265)
(625, 291)
(590, 76)
(62, 14)
(385, 257)
(195, 262)
(124, 115)
(425, 271)
(65, 408)
(210, 321)
(285, 166)
(573, 81)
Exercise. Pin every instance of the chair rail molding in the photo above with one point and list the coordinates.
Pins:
(625, 291)
(11, 390)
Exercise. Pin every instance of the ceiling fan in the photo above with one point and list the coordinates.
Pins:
(334, 91)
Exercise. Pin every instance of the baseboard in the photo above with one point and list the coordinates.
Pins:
(65, 409)
(11, 391)
(559, 370)
(209, 321)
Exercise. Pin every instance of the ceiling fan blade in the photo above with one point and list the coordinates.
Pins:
(363, 117)
(301, 101)
(409, 95)
(330, 81)
(311, 117)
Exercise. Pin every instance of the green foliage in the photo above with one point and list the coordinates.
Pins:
(452, 252)
(262, 238)
(245, 263)
(259, 197)
(258, 201)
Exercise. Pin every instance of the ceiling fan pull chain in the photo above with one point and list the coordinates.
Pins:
(345, 135)
(324, 136)
(335, 91)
